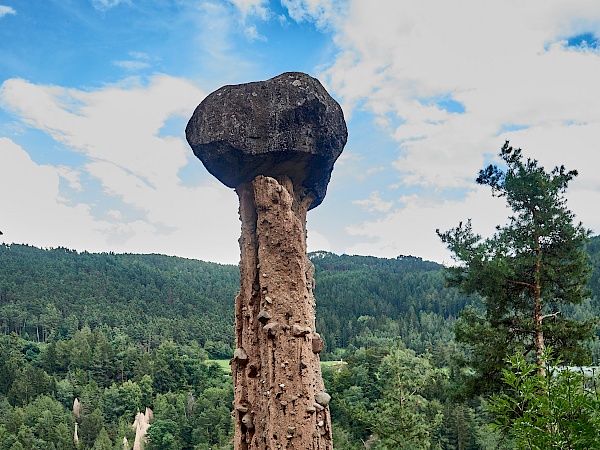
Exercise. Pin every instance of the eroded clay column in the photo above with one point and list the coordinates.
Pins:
(275, 142)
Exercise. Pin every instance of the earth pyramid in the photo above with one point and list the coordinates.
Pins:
(275, 142)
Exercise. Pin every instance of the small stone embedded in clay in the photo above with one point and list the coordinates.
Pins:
(298, 330)
(271, 329)
(311, 409)
(263, 316)
(317, 343)
(248, 421)
(240, 355)
(323, 398)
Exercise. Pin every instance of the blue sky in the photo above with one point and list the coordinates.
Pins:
(95, 95)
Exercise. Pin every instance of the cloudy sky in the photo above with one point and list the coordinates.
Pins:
(95, 96)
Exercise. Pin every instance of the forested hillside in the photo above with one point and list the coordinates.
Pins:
(150, 298)
(124, 332)
(153, 298)
(363, 300)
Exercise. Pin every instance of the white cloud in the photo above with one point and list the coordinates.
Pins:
(139, 55)
(32, 208)
(132, 64)
(502, 65)
(5, 10)
(258, 8)
(104, 5)
(317, 241)
(324, 13)
(252, 10)
(410, 230)
(496, 59)
(117, 129)
(374, 203)
(253, 35)
(73, 177)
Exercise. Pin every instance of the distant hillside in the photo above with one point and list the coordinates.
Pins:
(594, 252)
(361, 300)
(149, 297)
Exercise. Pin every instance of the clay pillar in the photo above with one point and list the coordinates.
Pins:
(279, 396)
(275, 142)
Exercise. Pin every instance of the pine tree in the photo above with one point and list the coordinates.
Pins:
(530, 269)
(102, 442)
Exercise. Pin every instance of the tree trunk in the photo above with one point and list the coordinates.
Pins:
(279, 398)
(538, 313)
(540, 359)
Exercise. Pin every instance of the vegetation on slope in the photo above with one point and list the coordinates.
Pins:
(125, 332)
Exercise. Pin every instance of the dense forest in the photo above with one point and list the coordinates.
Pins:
(153, 298)
(122, 333)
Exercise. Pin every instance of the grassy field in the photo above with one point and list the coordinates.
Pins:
(222, 363)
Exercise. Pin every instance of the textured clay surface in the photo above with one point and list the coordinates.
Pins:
(280, 401)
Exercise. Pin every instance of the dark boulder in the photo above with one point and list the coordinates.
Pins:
(287, 125)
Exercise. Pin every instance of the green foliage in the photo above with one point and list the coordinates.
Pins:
(103, 441)
(386, 396)
(557, 411)
(28, 384)
(53, 295)
(91, 424)
(368, 301)
(36, 425)
(126, 332)
(211, 416)
(122, 400)
(47, 295)
(162, 435)
(404, 417)
(11, 361)
(526, 273)
(64, 392)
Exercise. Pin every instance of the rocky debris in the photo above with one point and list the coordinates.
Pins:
(298, 330)
(248, 421)
(287, 125)
(240, 355)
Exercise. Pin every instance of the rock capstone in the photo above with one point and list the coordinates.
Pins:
(287, 125)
